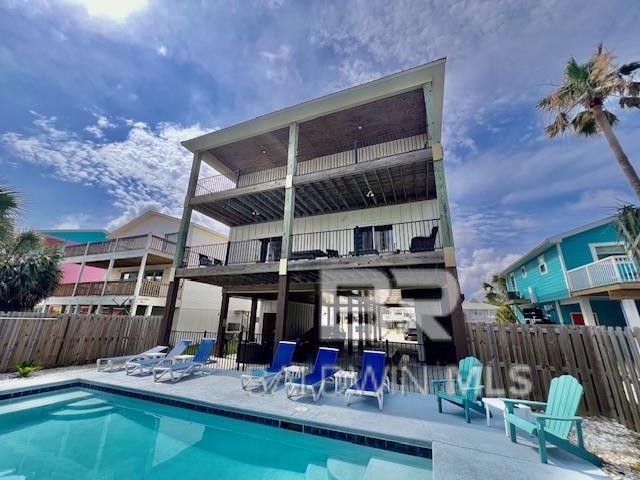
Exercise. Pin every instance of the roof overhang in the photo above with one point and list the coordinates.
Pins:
(390, 85)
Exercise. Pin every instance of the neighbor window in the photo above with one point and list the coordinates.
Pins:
(604, 251)
(523, 271)
(542, 265)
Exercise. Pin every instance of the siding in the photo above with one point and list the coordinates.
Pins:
(567, 310)
(575, 249)
(609, 312)
(548, 287)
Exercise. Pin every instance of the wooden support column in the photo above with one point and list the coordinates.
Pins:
(252, 318)
(350, 325)
(222, 324)
(433, 136)
(457, 318)
(287, 231)
(169, 310)
(317, 317)
(185, 222)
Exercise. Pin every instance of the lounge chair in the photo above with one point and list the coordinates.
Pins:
(108, 362)
(323, 370)
(468, 391)
(145, 365)
(553, 426)
(269, 376)
(177, 369)
(372, 379)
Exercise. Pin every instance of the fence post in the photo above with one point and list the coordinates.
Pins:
(63, 339)
(238, 349)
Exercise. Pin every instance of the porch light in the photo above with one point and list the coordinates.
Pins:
(263, 152)
(370, 194)
(359, 127)
(254, 213)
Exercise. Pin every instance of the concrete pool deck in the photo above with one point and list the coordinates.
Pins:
(460, 450)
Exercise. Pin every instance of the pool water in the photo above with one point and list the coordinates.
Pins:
(81, 434)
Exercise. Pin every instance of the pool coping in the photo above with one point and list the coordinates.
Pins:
(409, 447)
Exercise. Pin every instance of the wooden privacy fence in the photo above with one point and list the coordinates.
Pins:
(605, 360)
(58, 341)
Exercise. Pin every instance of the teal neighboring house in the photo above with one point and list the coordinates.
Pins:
(76, 236)
(581, 277)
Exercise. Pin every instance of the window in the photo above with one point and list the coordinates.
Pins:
(153, 275)
(609, 250)
(128, 275)
(512, 277)
(542, 265)
(523, 271)
(171, 236)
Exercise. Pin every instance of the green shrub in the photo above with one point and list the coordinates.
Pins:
(24, 369)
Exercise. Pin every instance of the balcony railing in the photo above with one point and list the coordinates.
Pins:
(407, 237)
(138, 242)
(149, 288)
(364, 150)
(608, 271)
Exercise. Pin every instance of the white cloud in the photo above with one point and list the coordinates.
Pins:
(279, 64)
(117, 10)
(162, 51)
(604, 201)
(147, 169)
(72, 221)
(479, 266)
(102, 123)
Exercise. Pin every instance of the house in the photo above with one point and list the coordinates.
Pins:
(60, 238)
(581, 277)
(135, 266)
(475, 311)
(337, 208)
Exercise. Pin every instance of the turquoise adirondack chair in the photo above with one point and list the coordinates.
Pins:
(468, 391)
(554, 424)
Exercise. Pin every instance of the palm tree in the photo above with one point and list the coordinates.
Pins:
(583, 93)
(495, 293)
(29, 272)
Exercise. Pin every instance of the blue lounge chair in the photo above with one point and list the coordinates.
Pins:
(323, 370)
(468, 391)
(177, 369)
(372, 379)
(145, 365)
(553, 426)
(108, 362)
(269, 376)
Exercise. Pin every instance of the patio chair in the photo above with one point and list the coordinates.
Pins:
(178, 370)
(468, 390)
(553, 426)
(372, 380)
(424, 244)
(323, 370)
(271, 375)
(145, 365)
(108, 362)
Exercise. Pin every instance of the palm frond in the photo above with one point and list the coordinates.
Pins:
(629, 102)
(613, 120)
(26, 242)
(558, 126)
(629, 68)
(584, 123)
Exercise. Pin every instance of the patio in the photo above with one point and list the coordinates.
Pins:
(459, 450)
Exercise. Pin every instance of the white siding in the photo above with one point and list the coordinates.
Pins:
(407, 212)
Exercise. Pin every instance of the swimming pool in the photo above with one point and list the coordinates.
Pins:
(80, 434)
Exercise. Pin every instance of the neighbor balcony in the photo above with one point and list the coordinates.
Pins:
(612, 273)
(124, 244)
(148, 288)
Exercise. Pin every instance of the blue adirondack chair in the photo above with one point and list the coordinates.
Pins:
(554, 424)
(468, 390)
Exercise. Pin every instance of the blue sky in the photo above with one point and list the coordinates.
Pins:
(96, 95)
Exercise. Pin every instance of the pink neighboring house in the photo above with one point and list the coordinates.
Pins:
(70, 271)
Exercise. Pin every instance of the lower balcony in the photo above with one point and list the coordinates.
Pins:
(615, 273)
(149, 288)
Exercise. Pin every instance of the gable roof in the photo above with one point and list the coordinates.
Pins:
(556, 239)
(153, 213)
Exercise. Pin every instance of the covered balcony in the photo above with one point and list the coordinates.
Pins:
(257, 260)
(616, 275)
(148, 288)
(366, 156)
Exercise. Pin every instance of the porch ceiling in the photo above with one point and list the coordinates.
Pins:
(380, 186)
(393, 117)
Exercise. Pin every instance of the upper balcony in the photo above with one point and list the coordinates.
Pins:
(611, 274)
(127, 251)
(368, 155)
(148, 288)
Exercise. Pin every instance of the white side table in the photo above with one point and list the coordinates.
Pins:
(498, 404)
(153, 355)
(294, 371)
(344, 378)
(183, 358)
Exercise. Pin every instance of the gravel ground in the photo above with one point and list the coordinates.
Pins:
(618, 446)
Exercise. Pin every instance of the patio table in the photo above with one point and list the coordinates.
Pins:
(498, 404)
(344, 378)
(294, 371)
